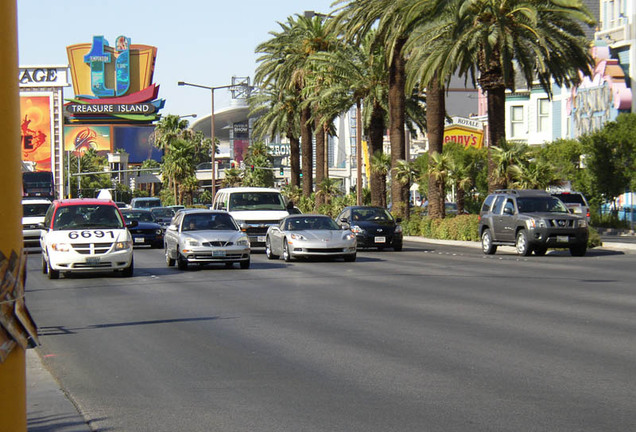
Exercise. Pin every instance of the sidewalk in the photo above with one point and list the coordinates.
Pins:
(48, 408)
(613, 244)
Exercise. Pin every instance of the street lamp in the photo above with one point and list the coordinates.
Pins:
(181, 83)
(187, 115)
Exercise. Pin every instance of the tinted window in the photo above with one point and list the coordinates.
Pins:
(208, 221)
(370, 214)
(541, 205)
(34, 210)
(499, 202)
(571, 198)
(487, 203)
(139, 216)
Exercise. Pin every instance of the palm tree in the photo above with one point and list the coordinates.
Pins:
(277, 112)
(541, 40)
(355, 19)
(509, 159)
(284, 63)
(381, 165)
(438, 170)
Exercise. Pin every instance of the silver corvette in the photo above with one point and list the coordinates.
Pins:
(309, 236)
(205, 237)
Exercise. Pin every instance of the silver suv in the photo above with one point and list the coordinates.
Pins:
(530, 220)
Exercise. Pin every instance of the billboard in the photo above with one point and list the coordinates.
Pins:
(79, 139)
(36, 131)
(138, 142)
(464, 131)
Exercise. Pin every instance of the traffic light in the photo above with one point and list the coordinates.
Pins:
(301, 174)
(282, 171)
(252, 168)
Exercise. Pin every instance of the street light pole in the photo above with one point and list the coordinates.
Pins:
(213, 158)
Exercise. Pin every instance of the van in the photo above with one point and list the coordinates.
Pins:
(254, 209)
(145, 203)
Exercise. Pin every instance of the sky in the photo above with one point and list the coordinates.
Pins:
(205, 42)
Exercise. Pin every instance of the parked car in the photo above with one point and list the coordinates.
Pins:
(147, 232)
(530, 220)
(309, 236)
(575, 202)
(82, 235)
(373, 226)
(198, 236)
(163, 215)
(33, 212)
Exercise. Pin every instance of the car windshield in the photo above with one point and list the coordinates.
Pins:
(310, 223)
(256, 201)
(162, 212)
(139, 216)
(541, 205)
(208, 221)
(371, 214)
(87, 216)
(34, 210)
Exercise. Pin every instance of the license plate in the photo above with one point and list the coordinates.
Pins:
(139, 240)
(563, 239)
(92, 260)
(218, 253)
(380, 239)
(260, 239)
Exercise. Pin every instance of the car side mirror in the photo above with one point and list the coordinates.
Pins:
(508, 211)
(132, 224)
(344, 220)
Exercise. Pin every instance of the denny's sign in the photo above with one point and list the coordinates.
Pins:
(113, 84)
(464, 131)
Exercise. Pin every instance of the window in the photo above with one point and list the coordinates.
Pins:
(517, 127)
(543, 115)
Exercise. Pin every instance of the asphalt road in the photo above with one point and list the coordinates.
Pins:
(433, 338)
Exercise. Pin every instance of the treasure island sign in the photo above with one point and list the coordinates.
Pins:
(113, 84)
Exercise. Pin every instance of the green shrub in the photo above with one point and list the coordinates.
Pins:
(462, 227)
(594, 239)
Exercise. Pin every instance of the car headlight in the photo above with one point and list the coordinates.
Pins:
(349, 236)
(159, 231)
(191, 242)
(123, 245)
(582, 223)
(398, 229)
(535, 223)
(356, 229)
(243, 241)
(295, 236)
(61, 247)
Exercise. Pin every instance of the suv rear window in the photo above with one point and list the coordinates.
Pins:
(571, 198)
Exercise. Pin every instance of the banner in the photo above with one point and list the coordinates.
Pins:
(35, 130)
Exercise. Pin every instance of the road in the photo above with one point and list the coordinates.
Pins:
(433, 338)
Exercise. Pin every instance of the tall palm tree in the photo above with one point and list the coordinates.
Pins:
(493, 40)
(284, 63)
(277, 112)
(354, 19)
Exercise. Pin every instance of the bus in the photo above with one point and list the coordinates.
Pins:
(38, 184)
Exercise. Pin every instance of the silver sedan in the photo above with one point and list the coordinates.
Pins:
(309, 236)
(205, 237)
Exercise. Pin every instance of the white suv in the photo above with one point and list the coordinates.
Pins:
(575, 202)
(254, 209)
(33, 211)
(82, 235)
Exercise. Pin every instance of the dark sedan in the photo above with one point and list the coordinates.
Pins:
(373, 226)
(163, 215)
(148, 231)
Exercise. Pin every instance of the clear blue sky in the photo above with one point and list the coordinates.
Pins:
(199, 41)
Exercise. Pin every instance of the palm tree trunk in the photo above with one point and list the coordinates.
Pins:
(461, 194)
(320, 156)
(496, 98)
(397, 83)
(307, 151)
(435, 114)
(294, 159)
(376, 144)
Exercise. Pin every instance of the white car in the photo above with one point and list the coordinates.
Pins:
(33, 212)
(84, 235)
(197, 236)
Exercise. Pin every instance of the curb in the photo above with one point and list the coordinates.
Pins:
(474, 244)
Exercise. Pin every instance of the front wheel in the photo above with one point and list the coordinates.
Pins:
(245, 264)
(53, 274)
(286, 254)
(268, 249)
(578, 250)
(128, 271)
(522, 245)
(45, 266)
(350, 258)
(486, 243)
(169, 261)
(182, 262)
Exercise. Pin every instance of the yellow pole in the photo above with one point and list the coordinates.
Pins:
(13, 368)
